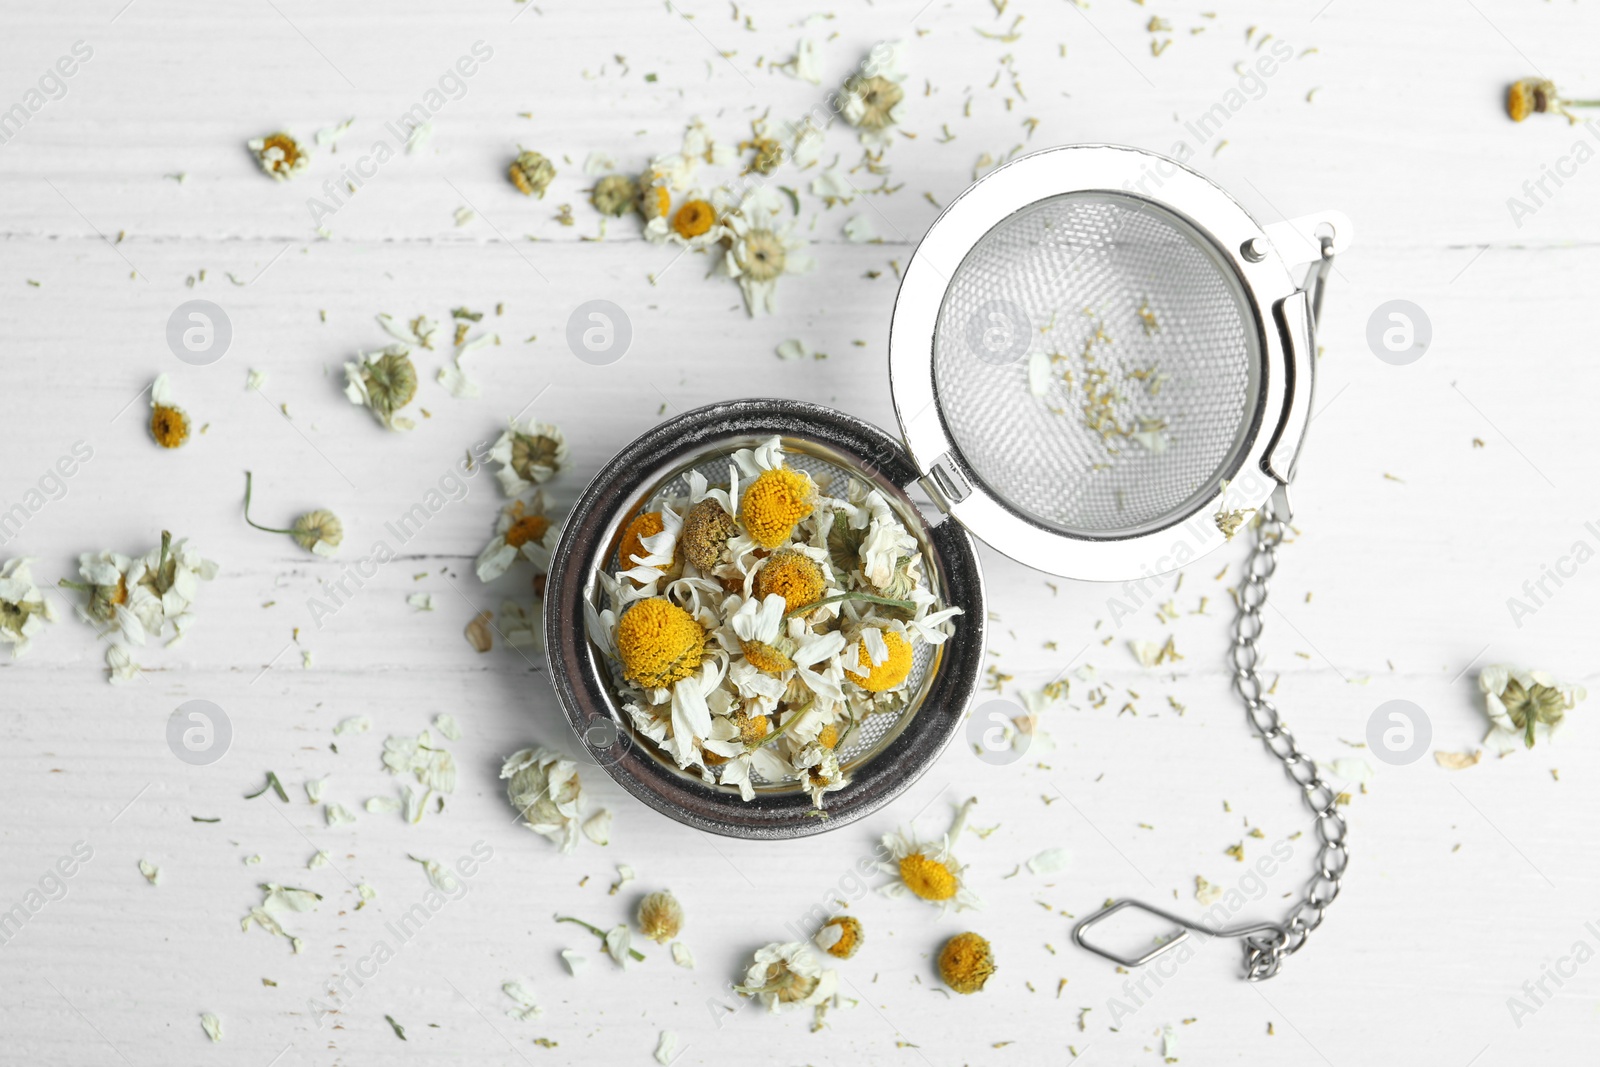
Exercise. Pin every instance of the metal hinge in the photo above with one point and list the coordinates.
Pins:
(945, 483)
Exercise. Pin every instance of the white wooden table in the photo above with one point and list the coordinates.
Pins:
(1463, 885)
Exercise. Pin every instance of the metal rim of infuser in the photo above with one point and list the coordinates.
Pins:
(589, 542)
(1046, 258)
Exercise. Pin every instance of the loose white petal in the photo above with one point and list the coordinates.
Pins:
(597, 827)
(1050, 861)
(526, 1007)
(151, 872)
(573, 960)
(338, 815)
(682, 956)
(447, 725)
(666, 1047)
(212, 1026)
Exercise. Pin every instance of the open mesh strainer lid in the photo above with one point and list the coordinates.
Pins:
(1094, 351)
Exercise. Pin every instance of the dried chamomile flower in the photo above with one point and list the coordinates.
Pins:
(758, 625)
(105, 579)
(966, 962)
(881, 669)
(529, 453)
(532, 174)
(169, 424)
(706, 529)
(544, 786)
(655, 202)
(659, 643)
(760, 251)
(23, 608)
(615, 195)
(777, 500)
(928, 870)
(787, 975)
(840, 936)
(631, 550)
(162, 587)
(660, 916)
(1524, 705)
(318, 532)
(874, 97)
(383, 382)
(794, 576)
(280, 155)
(523, 531)
(819, 771)
(697, 223)
(1538, 96)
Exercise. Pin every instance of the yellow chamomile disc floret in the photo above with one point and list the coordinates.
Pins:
(774, 503)
(659, 643)
(795, 577)
(881, 677)
(927, 877)
(840, 936)
(966, 962)
(647, 524)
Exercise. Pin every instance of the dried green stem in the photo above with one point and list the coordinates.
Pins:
(596, 931)
(257, 525)
(804, 609)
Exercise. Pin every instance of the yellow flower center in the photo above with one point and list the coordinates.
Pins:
(657, 201)
(285, 144)
(888, 674)
(793, 576)
(764, 657)
(169, 425)
(527, 528)
(966, 962)
(774, 503)
(849, 937)
(659, 643)
(829, 737)
(927, 878)
(752, 728)
(694, 218)
(644, 525)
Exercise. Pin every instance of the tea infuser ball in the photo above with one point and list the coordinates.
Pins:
(1093, 351)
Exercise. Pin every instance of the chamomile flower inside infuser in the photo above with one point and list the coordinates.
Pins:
(659, 643)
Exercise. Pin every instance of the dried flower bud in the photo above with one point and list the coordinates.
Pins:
(966, 962)
(660, 917)
(615, 195)
(532, 174)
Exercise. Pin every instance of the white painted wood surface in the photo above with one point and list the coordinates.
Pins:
(1463, 886)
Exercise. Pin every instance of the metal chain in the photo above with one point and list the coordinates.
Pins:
(1265, 952)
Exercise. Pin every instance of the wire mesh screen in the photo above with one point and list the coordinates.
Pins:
(1096, 364)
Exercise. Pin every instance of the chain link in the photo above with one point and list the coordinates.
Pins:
(1265, 952)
